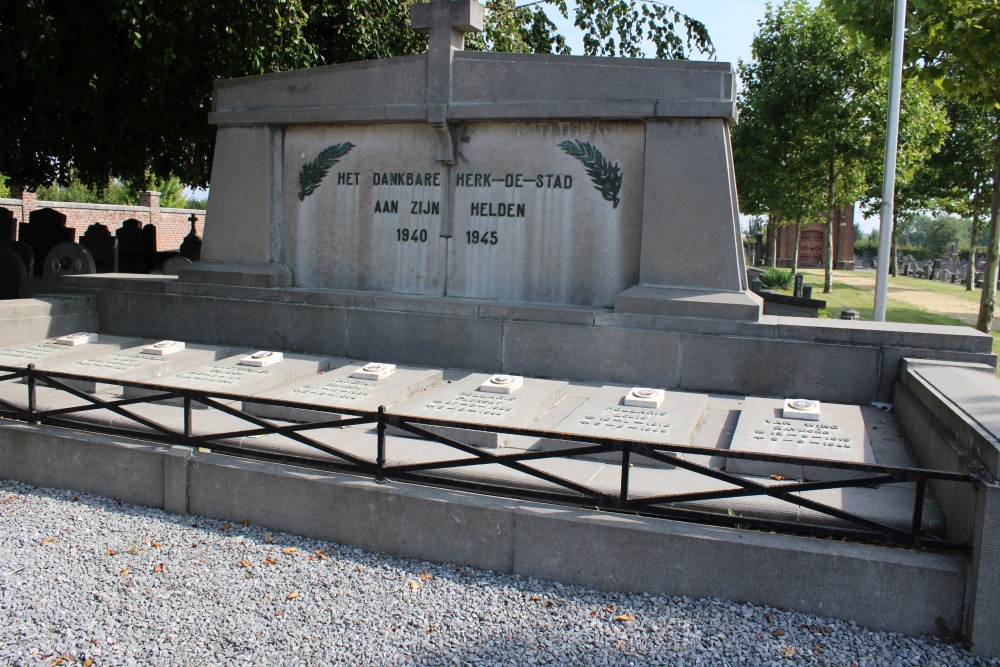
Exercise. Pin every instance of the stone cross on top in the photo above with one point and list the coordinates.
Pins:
(445, 22)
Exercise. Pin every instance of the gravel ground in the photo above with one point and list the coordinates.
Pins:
(88, 581)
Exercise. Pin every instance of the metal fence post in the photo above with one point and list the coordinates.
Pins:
(380, 455)
(626, 464)
(32, 398)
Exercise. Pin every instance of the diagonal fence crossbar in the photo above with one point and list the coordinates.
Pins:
(525, 475)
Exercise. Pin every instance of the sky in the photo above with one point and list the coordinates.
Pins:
(731, 24)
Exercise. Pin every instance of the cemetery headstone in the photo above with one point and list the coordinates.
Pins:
(102, 246)
(191, 245)
(132, 256)
(174, 265)
(13, 272)
(7, 227)
(68, 259)
(45, 229)
(839, 435)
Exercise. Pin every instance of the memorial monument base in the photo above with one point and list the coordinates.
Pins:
(681, 302)
(249, 275)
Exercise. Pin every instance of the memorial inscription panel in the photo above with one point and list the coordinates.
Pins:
(542, 212)
(838, 435)
(364, 208)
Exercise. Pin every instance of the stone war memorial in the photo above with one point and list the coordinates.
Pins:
(492, 309)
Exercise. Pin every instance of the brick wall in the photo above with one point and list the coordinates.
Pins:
(843, 242)
(172, 224)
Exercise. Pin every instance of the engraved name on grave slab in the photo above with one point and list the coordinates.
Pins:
(462, 401)
(605, 415)
(46, 353)
(374, 220)
(137, 365)
(547, 212)
(336, 388)
(230, 376)
(839, 435)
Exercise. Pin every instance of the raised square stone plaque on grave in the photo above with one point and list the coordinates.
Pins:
(374, 371)
(163, 348)
(262, 358)
(606, 414)
(231, 376)
(839, 435)
(342, 387)
(137, 364)
(463, 401)
(79, 338)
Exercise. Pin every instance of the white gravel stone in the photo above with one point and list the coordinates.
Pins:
(80, 577)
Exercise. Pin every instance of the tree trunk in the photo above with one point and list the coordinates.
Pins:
(988, 302)
(772, 253)
(970, 275)
(795, 252)
(828, 261)
(893, 249)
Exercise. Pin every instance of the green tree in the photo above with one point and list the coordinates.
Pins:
(953, 45)
(122, 88)
(808, 117)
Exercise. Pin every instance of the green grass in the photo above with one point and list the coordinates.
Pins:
(861, 299)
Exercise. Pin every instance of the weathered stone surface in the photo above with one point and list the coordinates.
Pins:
(336, 388)
(134, 365)
(839, 435)
(49, 355)
(462, 401)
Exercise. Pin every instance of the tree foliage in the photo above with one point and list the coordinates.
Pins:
(122, 88)
(809, 117)
(953, 45)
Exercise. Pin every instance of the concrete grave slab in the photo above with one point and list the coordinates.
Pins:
(136, 364)
(337, 388)
(605, 414)
(48, 354)
(462, 401)
(232, 377)
(839, 435)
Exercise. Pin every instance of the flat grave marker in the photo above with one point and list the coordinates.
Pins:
(839, 435)
(607, 414)
(139, 364)
(231, 377)
(462, 401)
(48, 354)
(341, 387)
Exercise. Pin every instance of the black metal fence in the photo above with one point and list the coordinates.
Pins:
(534, 483)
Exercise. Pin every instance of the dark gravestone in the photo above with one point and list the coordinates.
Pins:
(149, 245)
(191, 246)
(7, 227)
(132, 257)
(13, 272)
(103, 246)
(68, 259)
(46, 228)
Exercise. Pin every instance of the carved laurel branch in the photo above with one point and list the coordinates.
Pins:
(314, 172)
(607, 178)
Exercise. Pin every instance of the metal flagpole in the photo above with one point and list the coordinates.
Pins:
(889, 171)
